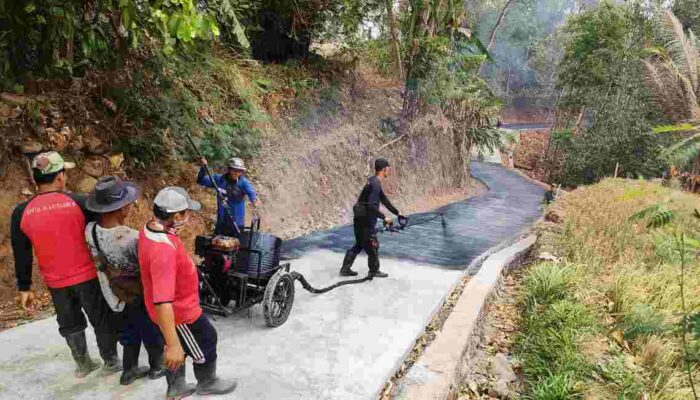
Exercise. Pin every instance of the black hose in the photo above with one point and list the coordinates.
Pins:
(299, 277)
(306, 285)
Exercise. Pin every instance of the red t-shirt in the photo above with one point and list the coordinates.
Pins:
(54, 224)
(168, 276)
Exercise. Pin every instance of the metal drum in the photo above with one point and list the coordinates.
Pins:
(261, 247)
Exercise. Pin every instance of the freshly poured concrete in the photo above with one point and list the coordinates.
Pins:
(340, 345)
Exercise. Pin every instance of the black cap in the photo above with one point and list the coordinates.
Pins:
(380, 164)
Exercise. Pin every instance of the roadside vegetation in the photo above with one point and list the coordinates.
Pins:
(617, 316)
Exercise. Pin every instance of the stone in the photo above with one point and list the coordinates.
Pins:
(94, 166)
(77, 143)
(116, 161)
(501, 369)
(499, 389)
(30, 147)
(547, 256)
(85, 184)
(94, 145)
(58, 140)
(9, 112)
(473, 387)
(13, 99)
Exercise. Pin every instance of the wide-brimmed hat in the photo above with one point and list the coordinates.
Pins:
(50, 162)
(174, 199)
(110, 194)
(236, 164)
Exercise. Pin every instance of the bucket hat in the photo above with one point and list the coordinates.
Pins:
(110, 194)
(236, 163)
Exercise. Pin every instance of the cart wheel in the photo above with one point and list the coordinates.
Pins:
(278, 299)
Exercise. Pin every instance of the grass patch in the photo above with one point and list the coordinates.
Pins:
(619, 281)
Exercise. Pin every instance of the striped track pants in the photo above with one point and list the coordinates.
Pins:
(198, 339)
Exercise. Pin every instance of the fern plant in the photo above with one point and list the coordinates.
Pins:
(658, 216)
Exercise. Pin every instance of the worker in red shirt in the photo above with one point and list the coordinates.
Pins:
(52, 225)
(171, 293)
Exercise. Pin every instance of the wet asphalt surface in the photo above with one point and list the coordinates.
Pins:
(471, 227)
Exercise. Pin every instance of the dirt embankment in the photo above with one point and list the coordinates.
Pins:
(311, 168)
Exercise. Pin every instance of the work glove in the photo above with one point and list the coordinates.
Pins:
(403, 220)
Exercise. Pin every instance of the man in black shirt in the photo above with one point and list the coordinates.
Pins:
(366, 212)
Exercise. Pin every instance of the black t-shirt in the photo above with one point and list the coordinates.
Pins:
(372, 195)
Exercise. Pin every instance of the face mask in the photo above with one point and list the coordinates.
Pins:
(171, 229)
(177, 226)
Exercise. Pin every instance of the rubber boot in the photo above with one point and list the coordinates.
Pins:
(155, 361)
(78, 348)
(347, 264)
(131, 370)
(107, 342)
(374, 271)
(177, 385)
(209, 383)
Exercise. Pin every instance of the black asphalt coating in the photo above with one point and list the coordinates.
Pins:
(472, 226)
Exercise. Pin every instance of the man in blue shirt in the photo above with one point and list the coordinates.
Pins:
(234, 187)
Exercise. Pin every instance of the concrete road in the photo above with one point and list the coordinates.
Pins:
(340, 345)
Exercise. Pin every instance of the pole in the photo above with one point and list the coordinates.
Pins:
(220, 196)
(617, 166)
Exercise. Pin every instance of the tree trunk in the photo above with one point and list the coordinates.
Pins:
(394, 47)
(419, 26)
(462, 148)
(579, 123)
(495, 28)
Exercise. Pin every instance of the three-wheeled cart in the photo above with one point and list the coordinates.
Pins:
(235, 277)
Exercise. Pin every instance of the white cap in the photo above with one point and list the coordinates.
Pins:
(174, 199)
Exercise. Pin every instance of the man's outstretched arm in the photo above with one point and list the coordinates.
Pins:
(387, 203)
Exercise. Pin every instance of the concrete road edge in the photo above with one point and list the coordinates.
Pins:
(435, 375)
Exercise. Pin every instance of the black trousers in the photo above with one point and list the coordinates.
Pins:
(198, 339)
(70, 302)
(135, 327)
(366, 239)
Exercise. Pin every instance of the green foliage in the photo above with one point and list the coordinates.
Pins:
(162, 110)
(221, 141)
(626, 383)
(554, 387)
(526, 48)
(693, 322)
(673, 128)
(642, 320)
(553, 323)
(546, 283)
(601, 42)
(688, 12)
(602, 74)
(58, 37)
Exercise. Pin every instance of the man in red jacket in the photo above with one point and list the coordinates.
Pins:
(52, 226)
(171, 293)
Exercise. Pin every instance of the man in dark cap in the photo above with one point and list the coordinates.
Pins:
(366, 213)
